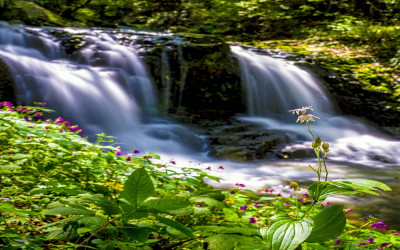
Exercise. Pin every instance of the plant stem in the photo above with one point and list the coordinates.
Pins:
(326, 169)
(309, 130)
(297, 204)
(308, 209)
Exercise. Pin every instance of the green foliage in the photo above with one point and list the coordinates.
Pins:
(59, 190)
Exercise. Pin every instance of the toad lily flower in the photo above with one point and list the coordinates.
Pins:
(304, 117)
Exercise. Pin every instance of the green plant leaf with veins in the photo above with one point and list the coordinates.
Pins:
(328, 224)
(138, 187)
(286, 233)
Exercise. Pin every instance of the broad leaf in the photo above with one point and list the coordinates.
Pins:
(325, 189)
(363, 185)
(207, 200)
(286, 233)
(137, 233)
(69, 211)
(138, 187)
(176, 225)
(232, 241)
(166, 204)
(328, 224)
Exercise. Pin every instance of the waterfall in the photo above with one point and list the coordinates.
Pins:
(273, 86)
(104, 86)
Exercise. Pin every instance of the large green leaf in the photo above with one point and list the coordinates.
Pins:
(362, 185)
(138, 187)
(232, 241)
(207, 200)
(286, 233)
(69, 211)
(166, 204)
(176, 225)
(325, 189)
(328, 224)
(137, 233)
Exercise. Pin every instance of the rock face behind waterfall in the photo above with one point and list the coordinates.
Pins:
(6, 84)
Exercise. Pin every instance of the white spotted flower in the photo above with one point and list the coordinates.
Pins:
(304, 117)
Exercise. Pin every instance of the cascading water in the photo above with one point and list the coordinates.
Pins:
(273, 86)
(104, 87)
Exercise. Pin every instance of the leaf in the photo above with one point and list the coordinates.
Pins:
(177, 225)
(166, 204)
(363, 185)
(138, 187)
(210, 230)
(83, 230)
(328, 224)
(286, 233)
(207, 200)
(229, 214)
(232, 241)
(326, 189)
(69, 211)
(137, 233)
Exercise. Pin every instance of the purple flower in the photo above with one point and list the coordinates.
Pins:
(47, 120)
(380, 225)
(173, 162)
(10, 153)
(257, 216)
(60, 131)
(252, 220)
(233, 192)
(27, 117)
(199, 204)
(364, 242)
(46, 128)
(74, 127)
(325, 203)
(240, 185)
(9, 104)
(28, 137)
(365, 218)
(220, 167)
(266, 190)
(278, 195)
(81, 131)
(306, 195)
(396, 234)
(209, 168)
(136, 151)
(255, 205)
(118, 153)
(73, 153)
(302, 200)
(337, 242)
(272, 204)
(287, 204)
(385, 244)
(109, 173)
(38, 115)
(243, 208)
(59, 120)
(348, 210)
(128, 158)
(68, 124)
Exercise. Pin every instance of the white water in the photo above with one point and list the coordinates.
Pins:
(104, 88)
(274, 86)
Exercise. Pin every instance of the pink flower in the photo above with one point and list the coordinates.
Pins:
(348, 210)
(199, 204)
(173, 162)
(118, 153)
(302, 200)
(27, 117)
(220, 167)
(109, 173)
(233, 192)
(73, 153)
(252, 220)
(81, 131)
(28, 137)
(278, 195)
(128, 158)
(136, 151)
(272, 204)
(325, 203)
(47, 120)
(10, 153)
(59, 120)
(38, 115)
(243, 208)
(266, 190)
(209, 168)
(74, 127)
(287, 204)
(68, 124)
(306, 195)
(255, 205)
(257, 216)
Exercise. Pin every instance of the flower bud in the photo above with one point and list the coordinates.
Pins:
(325, 147)
(294, 185)
(316, 143)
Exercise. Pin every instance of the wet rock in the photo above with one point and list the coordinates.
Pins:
(6, 83)
(297, 152)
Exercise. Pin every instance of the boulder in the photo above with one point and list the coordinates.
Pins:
(6, 83)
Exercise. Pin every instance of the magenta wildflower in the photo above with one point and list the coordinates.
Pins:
(74, 127)
(271, 190)
(27, 117)
(287, 204)
(348, 210)
(380, 225)
(173, 162)
(240, 185)
(73, 153)
(136, 151)
(273, 204)
(257, 216)
(1, 103)
(208, 168)
(60, 131)
(81, 131)
(266, 190)
(10, 153)
(68, 124)
(385, 244)
(103, 151)
(365, 218)
(252, 220)
(325, 203)
(220, 167)
(38, 115)
(337, 242)
(302, 200)
(28, 137)
(47, 120)
(9, 104)
(128, 158)
(233, 192)
(396, 234)
(109, 173)
(306, 195)
(364, 242)
(243, 208)
(278, 195)
(118, 153)
(59, 120)
(199, 204)
(46, 128)
(163, 165)
(255, 205)
(20, 109)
